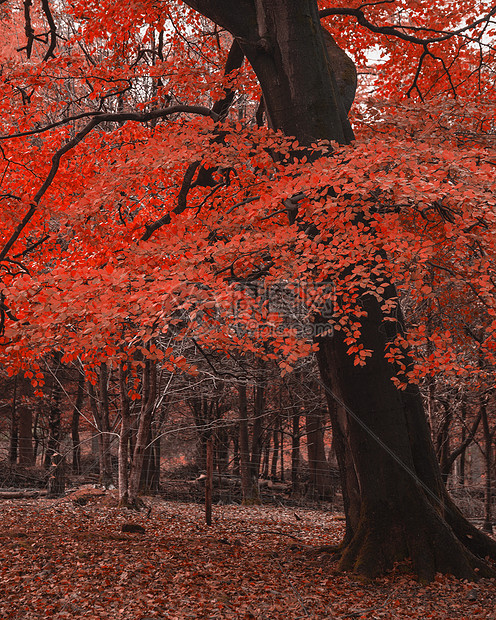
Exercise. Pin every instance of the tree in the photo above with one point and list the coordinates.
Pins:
(216, 205)
(383, 428)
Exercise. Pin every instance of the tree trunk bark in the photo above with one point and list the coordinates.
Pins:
(487, 526)
(403, 510)
(461, 469)
(209, 481)
(275, 452)
(106, 475)
(76, 414)
(249, 485)
(123, 455)
(14, 426)
(319, 487)
(150, 474)
(257, 434)
(443, 441)
(147, 409)
(56, 464)
(26, 453)
(100, 409)
(295, 450)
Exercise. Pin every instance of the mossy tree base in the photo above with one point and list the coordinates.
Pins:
(417, 534)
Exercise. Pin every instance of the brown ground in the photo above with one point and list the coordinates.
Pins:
(68, 558)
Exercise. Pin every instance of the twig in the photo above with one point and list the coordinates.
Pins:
(269, 532)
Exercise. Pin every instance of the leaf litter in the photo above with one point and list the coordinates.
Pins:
(82, 557)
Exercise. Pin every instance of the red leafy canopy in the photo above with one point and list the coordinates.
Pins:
(122, 249)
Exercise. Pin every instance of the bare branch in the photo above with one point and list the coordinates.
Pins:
(395, 30)
(234, 61)
(119, 117)
(28, 28)
(53, 29)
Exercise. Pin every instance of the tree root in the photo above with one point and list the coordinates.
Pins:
(384, 538)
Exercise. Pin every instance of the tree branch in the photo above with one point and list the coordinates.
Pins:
(394, 30)
(53, 29)
(468, 440)
(119, 117)
(98, 118)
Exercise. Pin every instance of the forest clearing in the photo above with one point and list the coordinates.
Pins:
(65, 558)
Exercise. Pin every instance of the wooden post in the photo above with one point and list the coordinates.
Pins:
(209, 482)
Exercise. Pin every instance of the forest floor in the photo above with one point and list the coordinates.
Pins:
(70, 558)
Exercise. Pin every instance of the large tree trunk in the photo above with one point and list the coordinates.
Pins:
(397, 506)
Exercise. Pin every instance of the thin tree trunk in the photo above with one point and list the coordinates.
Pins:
(106, 475)
(100, 409)
(282, 449)
(257, 434)
(249, 485)
(461, 470)
(55, 464)
(235, 439)
(14, 426)
(34, 440)
(76, 414)
(487, 525)
(125, 431)
(147, 409)
(266, 457)
(295, 450)
(319, 487)
(209, 482)
(443, 441)
(26, 452)
(275, 452)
